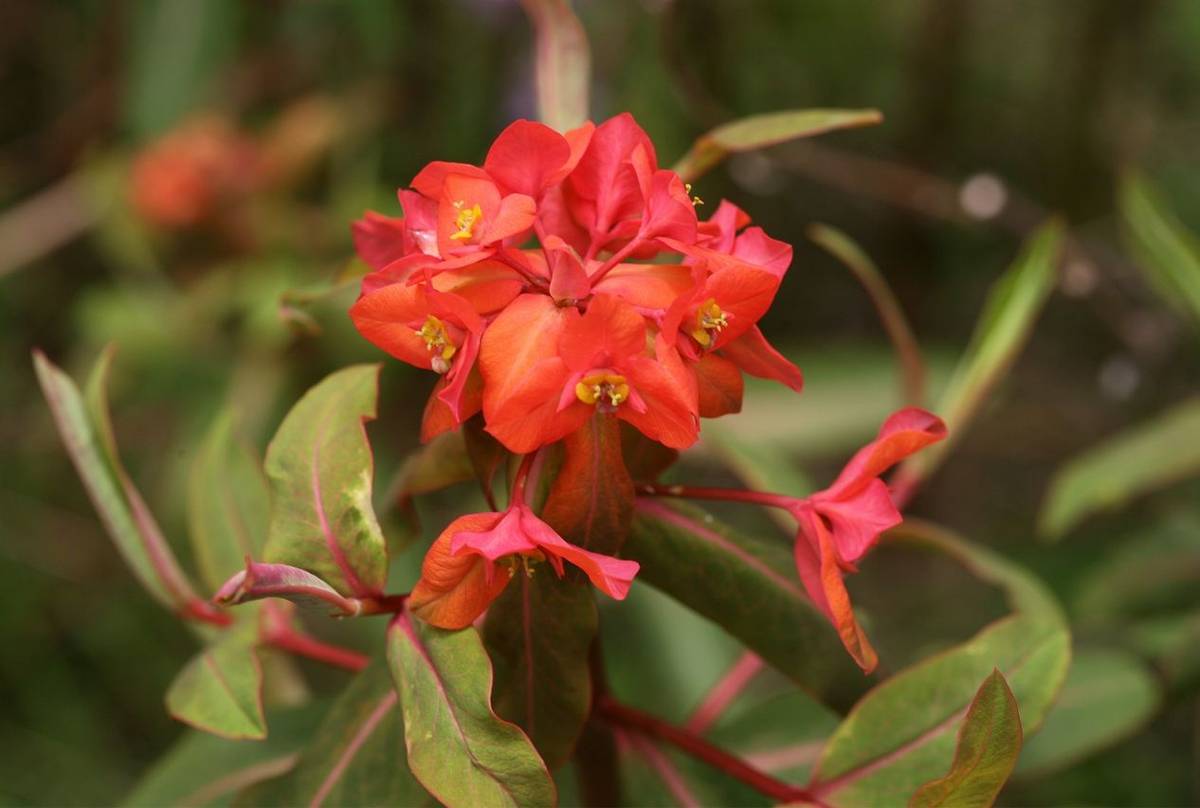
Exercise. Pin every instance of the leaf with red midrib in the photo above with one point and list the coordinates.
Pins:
(356, 756)
(320, 468)
(457, 747)
(538, 633)
(591, 500)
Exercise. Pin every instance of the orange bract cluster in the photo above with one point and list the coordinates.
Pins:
(569, 275)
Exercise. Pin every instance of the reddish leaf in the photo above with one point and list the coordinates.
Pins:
(591, 499)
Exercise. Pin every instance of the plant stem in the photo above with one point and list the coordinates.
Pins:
(617, 258)
(630, 718)
(722, 494)
(204, 612)
(292, 641)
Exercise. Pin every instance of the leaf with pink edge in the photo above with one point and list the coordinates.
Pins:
(768, 129)
(989, 741)
(320, 469)
(259, 580)
(457, 747)
(86, 430)
(220, 689)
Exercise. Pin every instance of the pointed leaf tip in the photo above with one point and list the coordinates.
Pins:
(457, 747)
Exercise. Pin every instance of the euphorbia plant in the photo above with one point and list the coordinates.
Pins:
(583, 320)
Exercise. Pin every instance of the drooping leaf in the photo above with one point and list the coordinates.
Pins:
(902, 734)
(1138, 460)
(458, 748)
(258, 581)
(1107, 696)
(538, 634)
(1004, 326)
(320, 469)
(749, 588)
(227, 504)
(87, 432)
(202, 769)
(989, 741)
(562, 63)
(591, 499)
(769, 129)
(220, 689)
(1166, 250)
(356, 756)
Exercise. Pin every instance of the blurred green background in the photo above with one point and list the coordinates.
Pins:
(997, 113)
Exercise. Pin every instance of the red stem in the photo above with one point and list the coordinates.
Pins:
(625, 716)
(722, 494)
(301, 645)
(204, 612)
(519, 482)
(616, 258)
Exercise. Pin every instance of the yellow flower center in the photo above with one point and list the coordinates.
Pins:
(607, 390)
(465, 221)
(438, 341)
(709, 320)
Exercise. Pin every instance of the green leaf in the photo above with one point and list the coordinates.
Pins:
(749, 588)
(902, 733)
(227, 504)
(1138, 460)
(203, 769)
(538, 633)
(1108, 695)
(769, 129)
(87, 433)
(220, 690)
(781, 734)
(989, 742)
(457, 747)
(562, 64)
(1166, 250)
(1004, 326)
(357, 755)
(439, 464)
(320, 469)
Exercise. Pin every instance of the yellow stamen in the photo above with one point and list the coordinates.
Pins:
(607, 390)
(696, 201)
(465, 221)
(709, 320)
(438, 341)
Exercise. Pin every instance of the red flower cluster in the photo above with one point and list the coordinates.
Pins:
(570, 275)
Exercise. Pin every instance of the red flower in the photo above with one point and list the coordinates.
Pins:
(575, 324)
(548, 369)
(459, 576)
(840, 524)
